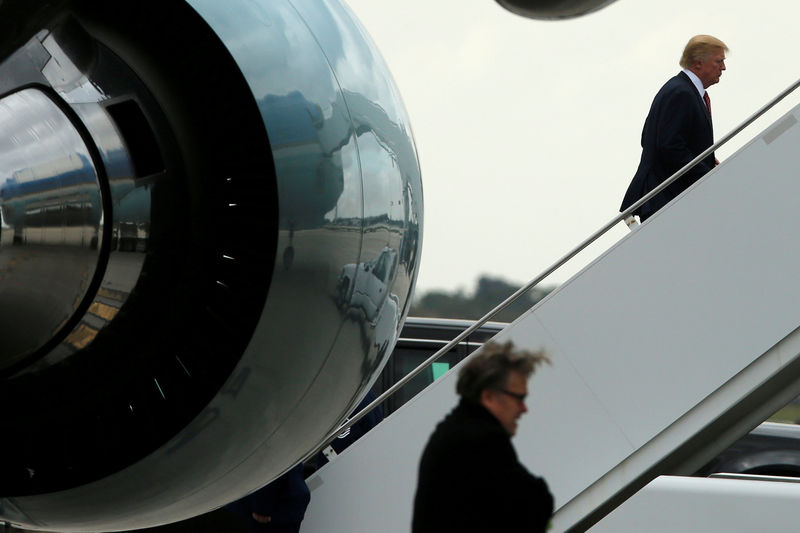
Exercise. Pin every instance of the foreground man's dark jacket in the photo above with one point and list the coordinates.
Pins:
(470, 479)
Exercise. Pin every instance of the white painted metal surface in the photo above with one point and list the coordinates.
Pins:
(700, 505)
(683, 332)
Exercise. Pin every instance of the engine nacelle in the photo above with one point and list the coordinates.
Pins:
(185, 186)
(553, 9)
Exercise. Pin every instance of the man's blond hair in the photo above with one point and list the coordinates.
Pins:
(700, 48)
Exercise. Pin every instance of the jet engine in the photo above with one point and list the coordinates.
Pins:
(553, 9)
(210, 227)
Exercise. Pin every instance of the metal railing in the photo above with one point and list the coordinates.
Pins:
(555, 266)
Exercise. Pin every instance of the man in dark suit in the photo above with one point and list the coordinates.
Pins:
(469, 477)
(678, 127)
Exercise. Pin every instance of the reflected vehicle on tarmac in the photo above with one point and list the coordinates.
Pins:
(365, 285)
(365, 288)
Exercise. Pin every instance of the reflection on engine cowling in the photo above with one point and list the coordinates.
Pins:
(50, 214)
(211, 219)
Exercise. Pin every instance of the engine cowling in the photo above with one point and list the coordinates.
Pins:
(182, 187)
(553, 9)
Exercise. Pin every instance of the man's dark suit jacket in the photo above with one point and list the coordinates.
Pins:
(677, 129)
(470, 480)
(284, 500)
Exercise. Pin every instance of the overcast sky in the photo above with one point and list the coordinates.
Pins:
(528, 131)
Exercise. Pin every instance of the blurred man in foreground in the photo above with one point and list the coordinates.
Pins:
(469, 476)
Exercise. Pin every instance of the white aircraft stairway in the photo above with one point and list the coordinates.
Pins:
(667, 348)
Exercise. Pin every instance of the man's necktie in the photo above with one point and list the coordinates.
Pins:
(708, 102)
